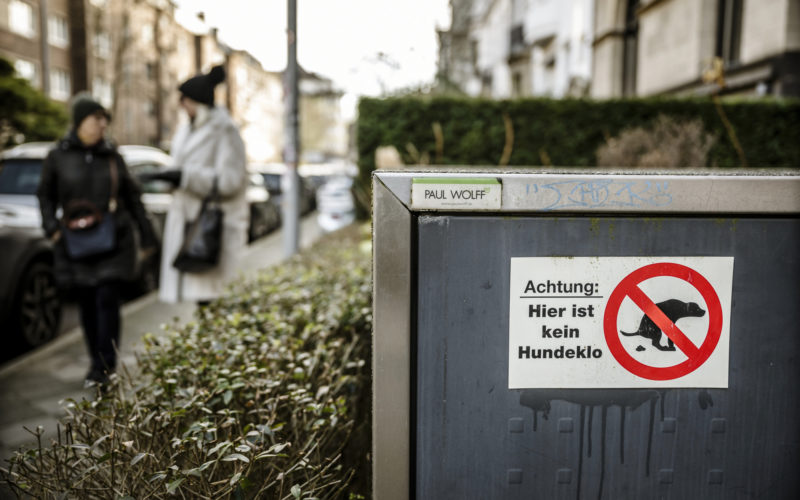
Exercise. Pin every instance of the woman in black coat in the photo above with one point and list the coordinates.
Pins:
(82, 168)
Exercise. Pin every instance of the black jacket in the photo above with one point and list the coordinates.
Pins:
(73, 171)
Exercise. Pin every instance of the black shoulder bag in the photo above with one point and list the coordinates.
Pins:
(87, 231)
(203, 237)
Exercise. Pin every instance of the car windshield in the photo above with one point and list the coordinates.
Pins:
(18, 176)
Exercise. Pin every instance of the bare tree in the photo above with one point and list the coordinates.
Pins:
(159, 101)
(121, 48)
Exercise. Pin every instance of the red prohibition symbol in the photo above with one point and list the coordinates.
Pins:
(629, 287)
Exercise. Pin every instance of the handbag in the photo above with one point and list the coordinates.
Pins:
(203, 237)
(88, 232)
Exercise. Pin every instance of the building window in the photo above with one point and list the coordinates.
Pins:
(473, 53)
(60, 85)
(150, 70)
(27, 70)
(729, 30)
(102, 90)
(516, 84)
(630, 49)
(102, 45)
(58, 31)
(486, 84)
(20, 18)
(517, 39)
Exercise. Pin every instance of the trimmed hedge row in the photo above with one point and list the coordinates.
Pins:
(264, 395)
(564, 132)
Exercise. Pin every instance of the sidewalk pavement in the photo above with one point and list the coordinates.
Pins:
(33, 385)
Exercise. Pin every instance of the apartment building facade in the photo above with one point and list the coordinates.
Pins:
(514, 48)
(255, 99)
(128, 54)
(323, 132)
(654, 47)
(35, 36)
(621, 48)
(132, 55)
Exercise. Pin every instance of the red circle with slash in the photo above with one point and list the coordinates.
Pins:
(629, 287)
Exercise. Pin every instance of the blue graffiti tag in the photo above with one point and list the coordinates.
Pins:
(605, 193)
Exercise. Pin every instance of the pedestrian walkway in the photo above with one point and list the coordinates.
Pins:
(33, 386)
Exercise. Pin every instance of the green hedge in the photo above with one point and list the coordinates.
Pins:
(564, 132)
(264, 395)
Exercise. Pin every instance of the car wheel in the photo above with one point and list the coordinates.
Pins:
(38, 308)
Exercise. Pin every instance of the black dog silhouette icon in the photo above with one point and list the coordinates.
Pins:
(673, 309)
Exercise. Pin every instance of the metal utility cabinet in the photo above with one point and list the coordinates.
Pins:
(577, 334)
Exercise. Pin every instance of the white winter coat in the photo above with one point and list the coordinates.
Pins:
(214, 148)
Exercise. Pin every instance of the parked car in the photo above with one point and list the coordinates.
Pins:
(317, 174)
(30, 305)
(273, 180)
(157, 194)
(335, 204)
(265, 213)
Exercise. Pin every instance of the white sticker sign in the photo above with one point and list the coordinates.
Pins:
(619, 322)
(450, 193)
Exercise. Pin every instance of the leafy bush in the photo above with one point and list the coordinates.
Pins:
(264, 395)
(667, 143)
(566, 132)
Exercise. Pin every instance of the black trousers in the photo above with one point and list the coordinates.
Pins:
(100, 319)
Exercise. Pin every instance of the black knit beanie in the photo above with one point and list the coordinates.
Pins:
(84, 105)
(201, 87)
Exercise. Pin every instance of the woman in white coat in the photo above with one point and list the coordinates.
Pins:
(209, 147)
